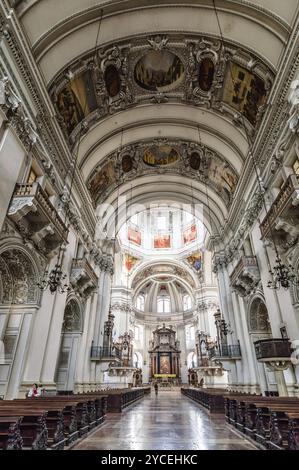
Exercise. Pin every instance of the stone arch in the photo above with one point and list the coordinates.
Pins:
(71, 335)
(73, 318)
(19, 273)
(258, 318)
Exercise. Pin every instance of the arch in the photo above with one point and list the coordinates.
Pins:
(69, 32)
(172, 190)
(258, 318)
(19, 273)
(178, 270)
(71, 335)
(73, 318)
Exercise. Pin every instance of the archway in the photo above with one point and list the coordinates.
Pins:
(70, 341)
(259, 328)
(19, 299)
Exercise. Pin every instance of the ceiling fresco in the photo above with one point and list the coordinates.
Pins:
(168, 157)
(160, 155)
(163, 270)
(194, 70)
(159, 71)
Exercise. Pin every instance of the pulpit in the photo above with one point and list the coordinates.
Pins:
(164, 354)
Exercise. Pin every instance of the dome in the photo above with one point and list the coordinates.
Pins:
(163, 294)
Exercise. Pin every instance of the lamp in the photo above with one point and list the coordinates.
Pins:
(282, 275)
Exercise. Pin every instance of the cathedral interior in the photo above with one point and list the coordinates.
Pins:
(149, 224)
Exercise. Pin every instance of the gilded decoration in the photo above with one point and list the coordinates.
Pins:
(159, 70)
(164, 156)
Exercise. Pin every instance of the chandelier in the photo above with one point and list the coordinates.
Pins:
(282, 275)
(55, 280)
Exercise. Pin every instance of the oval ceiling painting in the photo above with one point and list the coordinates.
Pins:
(159, 71)
(206, 74)
(161, 155)
(112, 81)
(126, 163)
(195, 161)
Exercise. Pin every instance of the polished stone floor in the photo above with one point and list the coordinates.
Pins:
(167, 422)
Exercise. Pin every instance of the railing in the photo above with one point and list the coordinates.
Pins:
(272, 348)
(34, 190)
(230, 351)
(291, 185)
(82, 263)
(100, 352)
(245, 263)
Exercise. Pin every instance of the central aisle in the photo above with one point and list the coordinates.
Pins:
(167, 422)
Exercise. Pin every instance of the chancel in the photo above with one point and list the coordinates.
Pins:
(149, 225)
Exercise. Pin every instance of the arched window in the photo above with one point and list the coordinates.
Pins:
(163, 304)
(140, 302)
(187, 303)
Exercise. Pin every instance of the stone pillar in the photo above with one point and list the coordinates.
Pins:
(83, 380)
(38, 342)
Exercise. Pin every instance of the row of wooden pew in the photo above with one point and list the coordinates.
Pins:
(53, 422)
(273, 422)
(119, 399)
(212, 399)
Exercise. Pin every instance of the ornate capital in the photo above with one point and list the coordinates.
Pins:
(12, 106)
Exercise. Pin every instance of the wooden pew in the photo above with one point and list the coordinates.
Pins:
(293, 431)
(10, 434)
(89, 412)
(54, 419)
(264, 419)
(33, 426)
(118, 399)
(212, 399)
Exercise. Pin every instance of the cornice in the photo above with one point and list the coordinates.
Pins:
(270, 129)
(45, 122)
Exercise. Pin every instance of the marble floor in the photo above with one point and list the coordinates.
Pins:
(167, 422)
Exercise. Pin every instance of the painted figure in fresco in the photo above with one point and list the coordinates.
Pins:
(112, 81)
(99, 183)
(162, 241)
(206, 74)
(70, 109)
(190, 234)
(196, 261)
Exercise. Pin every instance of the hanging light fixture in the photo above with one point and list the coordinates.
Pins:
(282, 275)
(56, 279)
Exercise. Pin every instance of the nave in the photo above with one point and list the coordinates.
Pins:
(169, 421)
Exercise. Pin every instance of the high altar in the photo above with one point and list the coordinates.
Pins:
(164, 353)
